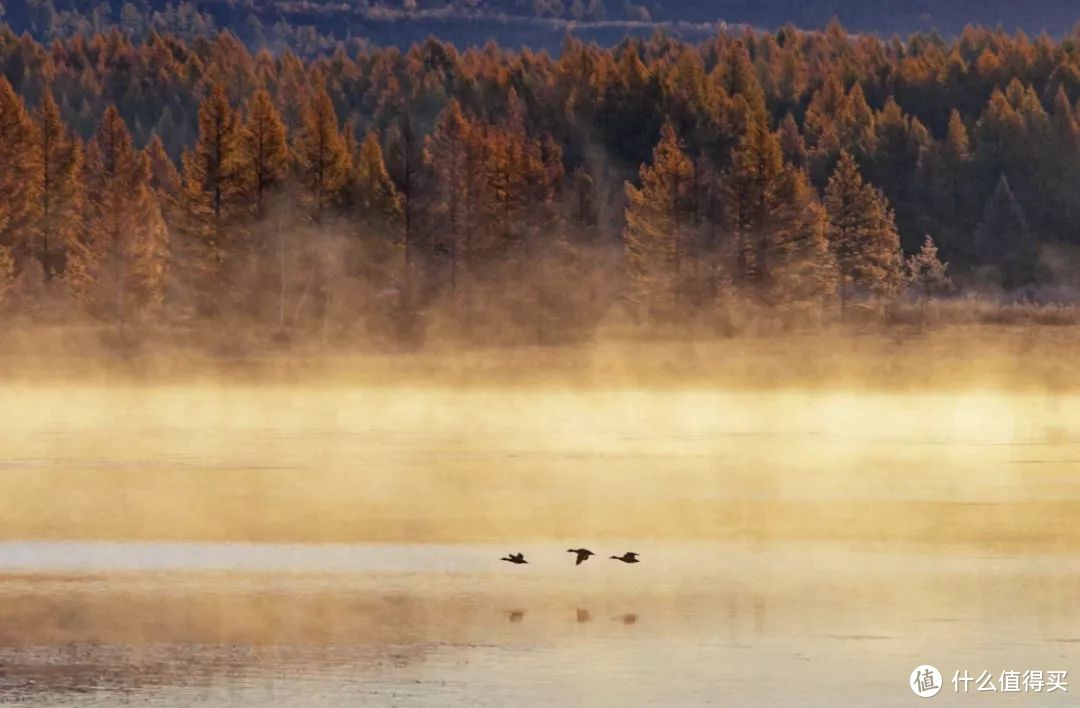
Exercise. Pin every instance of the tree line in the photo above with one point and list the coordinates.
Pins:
(507, 193)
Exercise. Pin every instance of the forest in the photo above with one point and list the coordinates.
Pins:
(502, 195)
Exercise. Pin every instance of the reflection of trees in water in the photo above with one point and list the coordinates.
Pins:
(28, 673)
(241, 611)
(581, 615)
(747, 608)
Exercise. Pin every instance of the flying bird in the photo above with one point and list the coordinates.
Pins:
(627, 558)
(582, 554)
(515, 558)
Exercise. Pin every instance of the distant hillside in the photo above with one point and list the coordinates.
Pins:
(311, 25)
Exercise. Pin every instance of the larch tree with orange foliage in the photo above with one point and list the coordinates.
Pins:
(216, 207)
(660, 228)
(321, 160)
(378, 204)
(57, 164)
(449, 160)
(375, 216)
(468, 197)
(862, 235)
(19, 201)
(553, 254)
(119, 269)
(264, 150)
(777, 228)
(164, 177)
(264, 167)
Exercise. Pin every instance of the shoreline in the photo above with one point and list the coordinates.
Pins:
(963, 357)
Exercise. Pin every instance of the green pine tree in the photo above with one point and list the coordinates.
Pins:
(1004, 238)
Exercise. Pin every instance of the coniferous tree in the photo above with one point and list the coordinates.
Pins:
(827, 106)
(738, 78)
(750, 194)
(804, 270)
(862, 234)
(957, 144)
(948, 173)
(57, 162)
(1066, 134)
(999, 136)
(659, 228)
(510, 164)
(447, 155)
(19, 199)
(896, 165)
(1057, 168)
(859, 125)
(824, 126)
(164, 177)
(404, 159)
(550, 256)
(375, 211)
(778, 230)
(628, 108)
(119, 269)
(293, 91)
(167, 185)
(378, 202)
(215, 204)
(927, 274)
(322, 162)
(264, 149)
(1004, 238)
(792, 144)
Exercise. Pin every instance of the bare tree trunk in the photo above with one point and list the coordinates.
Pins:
(303, 296)
(281, 264)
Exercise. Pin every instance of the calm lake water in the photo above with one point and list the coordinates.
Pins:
(242, 547)
(693, 624)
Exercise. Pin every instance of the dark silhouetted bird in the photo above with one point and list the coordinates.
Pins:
(516, 558)
(582, 554)
(627, 558)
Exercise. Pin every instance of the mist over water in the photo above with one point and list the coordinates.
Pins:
(322, 542)
(348, 463)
